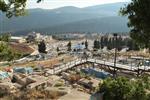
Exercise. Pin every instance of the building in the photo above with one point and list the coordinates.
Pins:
(38, 36)
(78, 47)
(33, 36)
(27, 70)
(37, 82)
(68, 36)
(3, 75)
(17, 39)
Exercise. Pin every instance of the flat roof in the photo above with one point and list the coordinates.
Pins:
(16, 38)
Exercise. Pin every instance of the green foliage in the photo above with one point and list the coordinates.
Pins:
(69, 46)
(58, 49)
(118, 89)
(14, 7)
(146, 81)
(86, 44)
(59, 84)
(138, 15)
(5, 37)
(132, 45)
(6, 53)
(120, 42)
(138, 91)
(96, 44)
(122, 88)
(42, 47)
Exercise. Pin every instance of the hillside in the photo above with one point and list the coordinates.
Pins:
(106, 24)
(75, 18)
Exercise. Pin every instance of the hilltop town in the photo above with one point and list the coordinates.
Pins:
(74, 50)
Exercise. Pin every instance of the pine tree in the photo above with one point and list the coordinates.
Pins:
(86, 45)
(58, 49)
(119, 43)
(42, 47)
(102, 42)
(139, 23)
(96, 44)
(69, 46)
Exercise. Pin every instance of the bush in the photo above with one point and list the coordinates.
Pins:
(58, 84)
(122, 88)
(7, 54)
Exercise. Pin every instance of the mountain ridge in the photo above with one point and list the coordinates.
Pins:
(41, 18)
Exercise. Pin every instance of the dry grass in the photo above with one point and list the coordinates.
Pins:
(135, 53)
(74, 78)
(33, 95)
(21, 48)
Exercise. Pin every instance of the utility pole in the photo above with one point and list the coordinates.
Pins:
(115, 56)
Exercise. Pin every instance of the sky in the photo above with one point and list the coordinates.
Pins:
(51, 4)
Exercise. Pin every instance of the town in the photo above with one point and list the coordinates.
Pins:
(74, 50)
(67, 66)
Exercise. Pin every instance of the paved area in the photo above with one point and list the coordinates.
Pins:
(75, 95)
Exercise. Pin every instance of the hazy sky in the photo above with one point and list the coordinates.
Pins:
(50, 4)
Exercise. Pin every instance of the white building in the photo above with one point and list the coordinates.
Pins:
(17, 39)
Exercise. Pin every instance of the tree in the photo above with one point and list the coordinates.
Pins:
(118, 89)
(96, 44)
(86, 44)
(105, 41)
(7, 53)
(102, 42)
(119, 42)
(58, 49)
(132, 45)
(123, 88)
(5, 37)
(14, 7)
(85, 55)
(42, 47)
(138, 15)
(82, 43)
(110, 44)
(69, 46)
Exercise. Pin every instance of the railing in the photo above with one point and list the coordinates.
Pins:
(80, 61)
